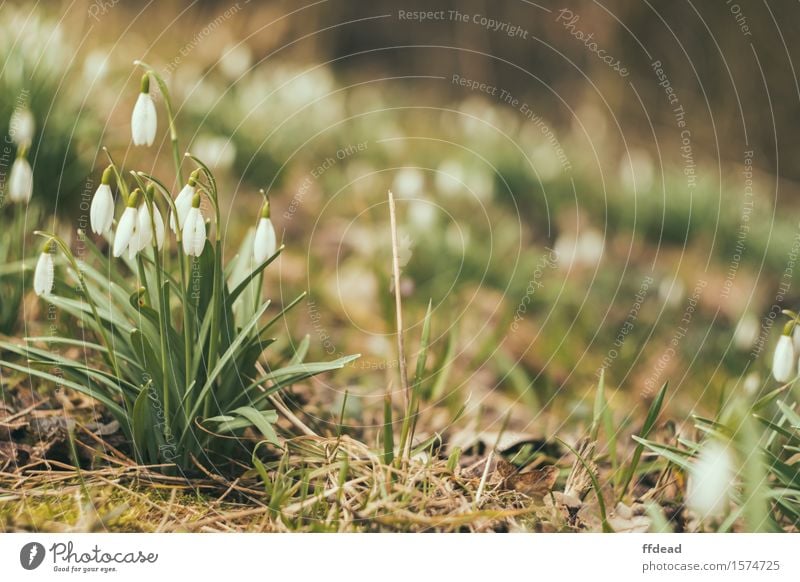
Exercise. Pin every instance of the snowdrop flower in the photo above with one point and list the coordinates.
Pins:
(183, 203)
(264, 242)
(709, 486)
(143, 232)
(783, 362)
(101, 213)
(126, 227)
(20, 181)
(145, 223)
(44, 274)
(144, 120)
(194, 230)
(22, 126)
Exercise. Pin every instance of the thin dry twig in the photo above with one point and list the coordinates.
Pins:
(401, 353)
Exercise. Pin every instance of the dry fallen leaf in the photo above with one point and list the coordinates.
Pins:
(535, 483)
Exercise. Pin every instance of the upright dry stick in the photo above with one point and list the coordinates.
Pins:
(401, 353)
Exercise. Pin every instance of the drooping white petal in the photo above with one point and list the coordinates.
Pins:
(44, 274)
(159, 227)
(183, 203)
(144, 229)
(144, 121)
(194, 233)
(783, 361)
(125, 231)
(796, 338)
(101, 213)
(710, 481)
(264, 243)
(20, 181)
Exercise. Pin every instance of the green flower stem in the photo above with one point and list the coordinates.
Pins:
(216, 291)
(182, 261)
(173, 132)
(123, 187)
(78, 273)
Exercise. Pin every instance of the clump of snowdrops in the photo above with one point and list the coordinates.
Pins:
(177, 339)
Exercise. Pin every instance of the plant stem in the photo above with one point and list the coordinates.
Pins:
(398, 303)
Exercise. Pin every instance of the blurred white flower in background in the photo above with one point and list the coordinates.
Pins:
(408, 183)
(752, 383)
(235, 60)
(584, 249)
(671, 292)
(95, 66)
(217, 152)
(22, 126)
(545, 161)
(449, 178)
(421, 214)
(20, 181)
(636, 170)
(710, 480)
(747, 332)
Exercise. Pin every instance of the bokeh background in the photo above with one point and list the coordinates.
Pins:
(582, 186)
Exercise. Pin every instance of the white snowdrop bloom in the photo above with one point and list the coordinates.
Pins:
(264, 244)
(183, 203)
(22, 126)
(144, 120)
(20, 181)
(194, 232)
(783, 361)
(125, 230)
(159, 220)
(408, 183)
(44, 274)
(143, 233)
(710, 481)
(101, 213)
